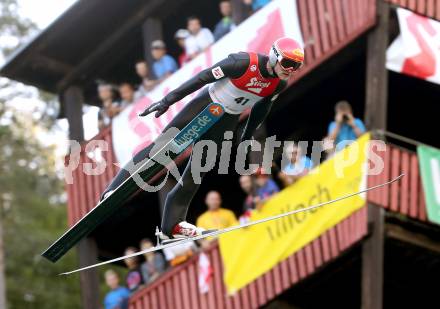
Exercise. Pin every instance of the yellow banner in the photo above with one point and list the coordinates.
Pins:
(250, 252)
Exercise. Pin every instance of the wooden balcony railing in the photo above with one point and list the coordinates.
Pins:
(405, 196)
(429, 8)
(178, 288)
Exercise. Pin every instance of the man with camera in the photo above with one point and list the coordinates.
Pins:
(345, 128)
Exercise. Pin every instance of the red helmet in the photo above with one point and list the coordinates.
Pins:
(288, 52)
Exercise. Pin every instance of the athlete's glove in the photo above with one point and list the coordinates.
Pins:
(159, 107)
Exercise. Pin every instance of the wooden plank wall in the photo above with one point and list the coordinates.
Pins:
(429, 8)
(329, 25)
(85, 191)
(405, 196)
(178, 288)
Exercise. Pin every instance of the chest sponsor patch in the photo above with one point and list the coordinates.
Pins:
(256, 86)
(217, 72)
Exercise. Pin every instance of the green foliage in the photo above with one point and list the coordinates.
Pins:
(32, 197)
(33, 215)
(12, 25)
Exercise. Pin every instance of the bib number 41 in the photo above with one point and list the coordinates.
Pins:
(241, 100)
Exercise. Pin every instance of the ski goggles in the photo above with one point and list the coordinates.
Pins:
(289, 64)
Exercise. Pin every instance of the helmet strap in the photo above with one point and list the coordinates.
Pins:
(271, 69)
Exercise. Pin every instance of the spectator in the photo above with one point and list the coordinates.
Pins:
(142, 69)
(118, 297)
(109, 107)
(298, 166)
(215, 217)
(266, 187)
(256, 4)
(180, 37)
(345, 128)
(126, 92)
(199, 38)
(328, 146)
(154, 263)
(247, 185)
(178, 254)
(164, 65)
(146, 84)
(226, 24)
(134, 278)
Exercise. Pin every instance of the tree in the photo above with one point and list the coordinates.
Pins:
(34, 214)
(32, 198)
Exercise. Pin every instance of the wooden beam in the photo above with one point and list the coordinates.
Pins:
(88, 254)
(376, 101)
(417, 239)
(372, 260)
(151, 30)
(93, 59)
(375, 118)
(240, 11)
(50, 63)
(87, 250)
(72, 99)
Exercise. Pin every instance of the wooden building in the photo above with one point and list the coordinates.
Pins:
(381, 256)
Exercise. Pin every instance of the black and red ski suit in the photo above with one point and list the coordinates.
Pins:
(238, 82)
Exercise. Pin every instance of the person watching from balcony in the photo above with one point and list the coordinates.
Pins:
(178, 254)
(256, 4)
(134, 277)
(199, 38)
(298, 166)
(164, 65)
(147, 84)
(247, 184)
(328, 146)
(215, 217)
(180, 38)
(118, 296)
(109, 107)
(266, 187)
(126, 91)
(154, 263)
(345, 128)
(226, 24)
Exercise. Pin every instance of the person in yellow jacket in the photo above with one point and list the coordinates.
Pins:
(216, 217)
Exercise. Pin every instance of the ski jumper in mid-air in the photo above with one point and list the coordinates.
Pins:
(240, 81)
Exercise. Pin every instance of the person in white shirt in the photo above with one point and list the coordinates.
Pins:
(199, 38)
(178, 254)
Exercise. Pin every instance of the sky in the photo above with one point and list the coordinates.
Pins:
(43, 12)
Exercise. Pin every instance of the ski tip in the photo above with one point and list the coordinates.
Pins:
(398, 177)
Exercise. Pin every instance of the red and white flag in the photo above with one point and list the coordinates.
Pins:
(205, 273)
(416, 51)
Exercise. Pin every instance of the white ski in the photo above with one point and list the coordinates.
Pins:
(233, 228)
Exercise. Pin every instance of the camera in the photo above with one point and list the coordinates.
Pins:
(345, 118)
